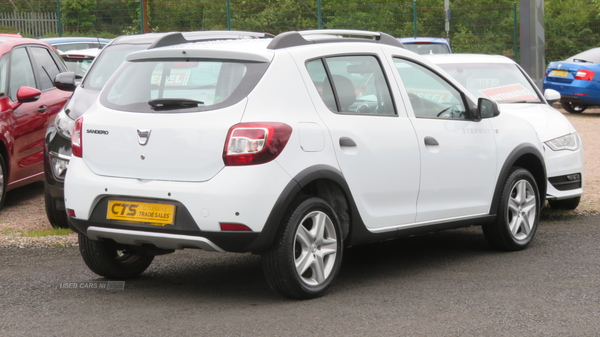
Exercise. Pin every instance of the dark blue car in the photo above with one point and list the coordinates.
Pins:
(577, 79)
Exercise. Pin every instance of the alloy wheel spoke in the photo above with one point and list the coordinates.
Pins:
(320, 222)
(529, 205)
(521, 191)
(304, 262)
(319, 269)
(513, 205)
(525, 226)
(305, 237)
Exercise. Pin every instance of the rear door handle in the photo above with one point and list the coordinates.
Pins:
(347, 142)
(431, 141)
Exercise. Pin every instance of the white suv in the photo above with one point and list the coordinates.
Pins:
(294, 148)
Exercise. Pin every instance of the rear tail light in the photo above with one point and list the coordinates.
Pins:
(584, 75)
(76, 141)
(255, 143)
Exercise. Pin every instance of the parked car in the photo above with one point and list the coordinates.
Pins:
(28, 102)
(426, 45)
(79, 61)
(58, 134)
(577, 79)
(501, 79)
(294, 149)
(67, 43)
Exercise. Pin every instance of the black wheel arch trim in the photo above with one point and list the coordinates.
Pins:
(516, 158)
(358, 233)
(289, 194)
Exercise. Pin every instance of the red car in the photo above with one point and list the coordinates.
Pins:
(28, 102)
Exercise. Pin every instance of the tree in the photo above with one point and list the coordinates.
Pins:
(79, 15)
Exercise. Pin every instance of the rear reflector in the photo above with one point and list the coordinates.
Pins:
(235, 227)
(71, 212)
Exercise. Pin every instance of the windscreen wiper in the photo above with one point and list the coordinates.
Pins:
(173, 103)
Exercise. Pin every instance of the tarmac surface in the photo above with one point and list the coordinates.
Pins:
(449, 283)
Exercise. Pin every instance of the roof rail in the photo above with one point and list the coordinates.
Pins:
(297, 38)
(169, 40)
(174, 38)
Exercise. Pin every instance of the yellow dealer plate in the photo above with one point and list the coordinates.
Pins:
(141, 212)
(559, 73)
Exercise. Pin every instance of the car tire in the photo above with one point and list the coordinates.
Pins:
(518, 213)
(573, 108)
(568, 204)
(306, 255)
(56, 217)
(110, 260)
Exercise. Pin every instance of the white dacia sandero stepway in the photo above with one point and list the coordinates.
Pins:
(293, 147)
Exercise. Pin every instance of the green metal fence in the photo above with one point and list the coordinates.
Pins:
(486, 28)
(492, 31)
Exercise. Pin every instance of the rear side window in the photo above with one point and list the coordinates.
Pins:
(21, 71)
(352, 84)
(46, 66)
(3, 74)
(195, 85)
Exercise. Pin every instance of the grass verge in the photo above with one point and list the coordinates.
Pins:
(48, 232)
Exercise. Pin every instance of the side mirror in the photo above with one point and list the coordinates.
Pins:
(551, 95)
(486, 108)
(65, 81)
(26, 95)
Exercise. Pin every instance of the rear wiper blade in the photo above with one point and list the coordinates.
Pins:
(173, 103)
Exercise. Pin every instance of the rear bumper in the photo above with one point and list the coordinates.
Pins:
(160, 240)
(575, 94)
(201, 207)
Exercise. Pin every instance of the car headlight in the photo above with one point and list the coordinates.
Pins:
(568, 142)
(64, 124)
(59, 165)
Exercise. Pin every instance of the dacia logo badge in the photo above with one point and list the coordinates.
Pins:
(143, 136)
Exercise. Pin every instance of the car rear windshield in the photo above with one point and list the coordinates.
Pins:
(78, 65)
(592, 55)
(107, 63)
(180, 85)
(427, 48)
(501, 82)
